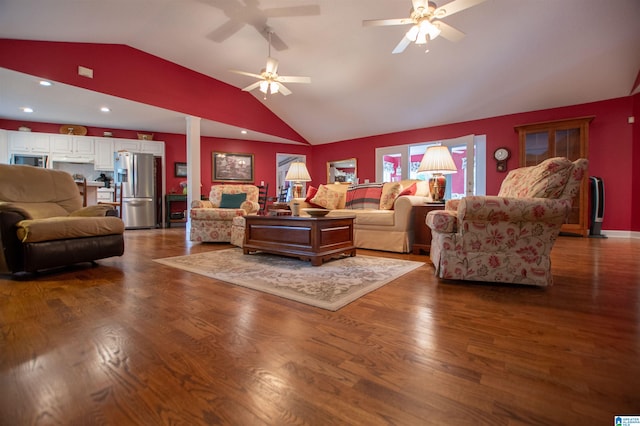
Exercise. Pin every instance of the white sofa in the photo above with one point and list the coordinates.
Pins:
(387, 229)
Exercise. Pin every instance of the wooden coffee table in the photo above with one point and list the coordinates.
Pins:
(309, 238)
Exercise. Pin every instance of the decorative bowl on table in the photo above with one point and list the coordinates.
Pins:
(316, 212)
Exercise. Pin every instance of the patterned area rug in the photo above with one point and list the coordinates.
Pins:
(330, 286)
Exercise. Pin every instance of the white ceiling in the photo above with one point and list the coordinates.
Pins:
(517, 56)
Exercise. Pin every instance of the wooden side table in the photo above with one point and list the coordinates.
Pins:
(421, 232)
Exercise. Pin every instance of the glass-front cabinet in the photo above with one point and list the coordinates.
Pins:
(565, 138)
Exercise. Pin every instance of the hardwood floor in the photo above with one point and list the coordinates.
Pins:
(136, 342)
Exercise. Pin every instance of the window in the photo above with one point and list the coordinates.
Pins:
(395, 163)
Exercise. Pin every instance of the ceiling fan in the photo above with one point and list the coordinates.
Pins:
(270, 82)
(248, 12)
(426, 19)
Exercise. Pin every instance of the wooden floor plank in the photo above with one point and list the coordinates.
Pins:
(135, 342)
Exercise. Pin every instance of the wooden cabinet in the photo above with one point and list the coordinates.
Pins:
(152, 147)
(126, 145)
(421, 232)
(72, 145)
(104, 151)
(564, 138)
(4, 149)
(28, 142)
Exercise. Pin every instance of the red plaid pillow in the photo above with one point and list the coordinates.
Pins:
(367, 196)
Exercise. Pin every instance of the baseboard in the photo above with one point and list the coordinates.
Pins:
(621, 234)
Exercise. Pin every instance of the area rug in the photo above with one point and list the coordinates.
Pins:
(330, 286)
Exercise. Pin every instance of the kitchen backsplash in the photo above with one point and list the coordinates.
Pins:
(86, 170)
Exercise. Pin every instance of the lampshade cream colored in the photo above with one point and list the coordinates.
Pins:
(437, 159)
(298, 173)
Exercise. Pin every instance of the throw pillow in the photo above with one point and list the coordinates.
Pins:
(232, 201)
(390, 191)
(311, 192)
(409, 190)
(365, 196)
(327, 198)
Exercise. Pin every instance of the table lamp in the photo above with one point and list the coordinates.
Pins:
(437, 161)
(297, 174)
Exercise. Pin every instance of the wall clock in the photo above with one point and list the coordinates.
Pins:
(501, 155)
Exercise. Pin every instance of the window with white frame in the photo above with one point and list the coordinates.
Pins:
(395, 163)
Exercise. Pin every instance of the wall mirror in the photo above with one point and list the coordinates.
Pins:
(283, 188)
(342, 171)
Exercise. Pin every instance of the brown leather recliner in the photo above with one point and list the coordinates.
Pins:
(43, 224)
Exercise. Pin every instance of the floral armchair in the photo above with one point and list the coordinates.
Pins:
(211, 220)
(507, 238)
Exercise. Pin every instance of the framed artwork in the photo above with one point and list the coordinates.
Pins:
(180, 169)
(232, 167)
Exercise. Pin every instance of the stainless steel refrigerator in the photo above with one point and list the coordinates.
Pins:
(136, 173)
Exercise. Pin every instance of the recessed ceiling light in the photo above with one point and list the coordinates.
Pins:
(105, 109)
(45, 83)
(244, 132)
(27, 109)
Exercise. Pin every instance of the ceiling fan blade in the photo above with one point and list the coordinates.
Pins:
(252, 86)
(402, 45)
(282, 89)
(225, 31)
(384, 22)
(280, 12)
(250, 74)
(454, 7)
(275, 41)
(293, 79)
(448, 32)
(272, 65)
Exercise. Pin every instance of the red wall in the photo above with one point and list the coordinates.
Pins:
(132, 74)
(611, 152)
(123, 71)
(635, 179)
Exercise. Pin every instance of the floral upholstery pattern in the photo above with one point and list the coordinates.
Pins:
(210, 223)
(507, 238)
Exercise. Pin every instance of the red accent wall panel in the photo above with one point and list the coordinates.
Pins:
(135, 75)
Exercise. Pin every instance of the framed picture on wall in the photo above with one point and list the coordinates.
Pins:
(180, 169)
(232, 167)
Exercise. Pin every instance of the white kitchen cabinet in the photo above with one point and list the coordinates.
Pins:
(72, 145)
(104, 149)
(28, 142)
(152, 147)
(130, 145)
(4, 149)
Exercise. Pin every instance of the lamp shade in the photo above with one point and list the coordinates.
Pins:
(437, 159)
(298, 173)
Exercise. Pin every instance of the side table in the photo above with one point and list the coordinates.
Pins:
(168, 200)
(421, 232)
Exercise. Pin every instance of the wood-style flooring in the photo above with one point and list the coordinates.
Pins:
(133, 342)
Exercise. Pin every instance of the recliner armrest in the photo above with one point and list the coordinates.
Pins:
(443, 221)
(98, 210)
(10, 246)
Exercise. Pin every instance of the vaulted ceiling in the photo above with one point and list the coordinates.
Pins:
(517, 56)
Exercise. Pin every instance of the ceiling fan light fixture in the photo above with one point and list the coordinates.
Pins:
(274, 88)
(264, 86)
(413, 33)
(434, 31)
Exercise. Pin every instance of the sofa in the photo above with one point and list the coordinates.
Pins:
(383, 212)
(212, 220)
(507, 238)
(43, 224)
